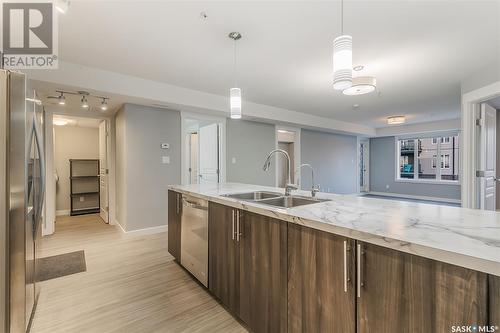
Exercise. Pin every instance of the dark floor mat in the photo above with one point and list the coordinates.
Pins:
(60, 265)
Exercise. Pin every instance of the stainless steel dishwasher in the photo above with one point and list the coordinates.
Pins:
(194, 237)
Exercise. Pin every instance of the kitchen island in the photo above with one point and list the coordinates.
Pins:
(350, 263)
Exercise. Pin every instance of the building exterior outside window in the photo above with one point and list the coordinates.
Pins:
(419, 158)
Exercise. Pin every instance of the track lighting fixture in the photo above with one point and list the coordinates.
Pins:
(61, 100)
(104, 104)
(84, 96)
(85, 103)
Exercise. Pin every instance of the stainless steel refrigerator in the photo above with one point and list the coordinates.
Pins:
(22, 189)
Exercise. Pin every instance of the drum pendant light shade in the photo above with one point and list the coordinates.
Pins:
(342, 62)
(235, 102)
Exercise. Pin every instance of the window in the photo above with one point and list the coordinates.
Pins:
(419, 158)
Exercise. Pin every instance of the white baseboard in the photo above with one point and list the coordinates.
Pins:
(143, 232)
(62, 212)
(415, 197)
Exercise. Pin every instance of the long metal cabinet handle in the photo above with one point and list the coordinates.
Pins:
(232, 220)
(237, 225)
(346, 277)
(359, 270)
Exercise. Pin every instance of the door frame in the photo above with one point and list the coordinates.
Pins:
(50, 188)
(469, 143)
(296, 151)
(185, 152)
(366, 142)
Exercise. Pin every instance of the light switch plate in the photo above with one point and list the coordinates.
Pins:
(82, 199)
(165, 159)
(165, 146)
(233, 160)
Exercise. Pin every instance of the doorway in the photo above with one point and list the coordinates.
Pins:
(80, 166)
(364, 166)
(488, 155)
(288, 139)
(203, 159)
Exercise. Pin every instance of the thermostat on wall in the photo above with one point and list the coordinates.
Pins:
(165, 146)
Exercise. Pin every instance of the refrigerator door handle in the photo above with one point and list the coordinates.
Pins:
(41, 157)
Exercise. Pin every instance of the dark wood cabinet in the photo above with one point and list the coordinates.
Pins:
(174, 224)
(283, 277)
(321, 293)
(400, 292)
(263, 272)
(223, 256)
(247, 266)
(494, 300)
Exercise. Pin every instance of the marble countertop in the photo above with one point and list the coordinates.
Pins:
(464, 237)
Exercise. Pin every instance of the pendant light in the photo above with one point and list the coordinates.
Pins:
(235, 93)
(361, 85)
(342, 57)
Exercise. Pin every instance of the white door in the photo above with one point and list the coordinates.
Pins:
(193, 158)
(103, 172)
(209, 154)
(487, 156)
(364, 165)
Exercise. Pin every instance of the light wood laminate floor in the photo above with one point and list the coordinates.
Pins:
(131, 285)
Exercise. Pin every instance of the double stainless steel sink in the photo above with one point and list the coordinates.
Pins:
(274, 199)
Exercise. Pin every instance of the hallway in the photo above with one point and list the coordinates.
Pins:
(131, 285)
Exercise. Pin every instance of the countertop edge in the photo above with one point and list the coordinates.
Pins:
(458, 259)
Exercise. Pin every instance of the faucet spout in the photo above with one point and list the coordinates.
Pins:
(314, 187)
(289, 186)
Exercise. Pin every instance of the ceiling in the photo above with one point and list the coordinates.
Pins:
(419, 51)
(495, 102)
(79, 121)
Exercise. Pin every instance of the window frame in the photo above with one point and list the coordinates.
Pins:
(416, 167)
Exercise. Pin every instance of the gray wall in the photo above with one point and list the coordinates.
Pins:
(145, 178)
(334, 159)
(249, 142)
(120, 165)
(383, 170)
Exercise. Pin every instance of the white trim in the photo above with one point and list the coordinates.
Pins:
(61, 213)
(415, 197)
(416, 179)
(50, 201)
(428, 181)
(296, 151)
(468, 142)
(142, 232)
(222, 151)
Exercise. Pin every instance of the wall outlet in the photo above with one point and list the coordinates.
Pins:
(165, 159)
(387, 186)
(233, 160)
(82, 199)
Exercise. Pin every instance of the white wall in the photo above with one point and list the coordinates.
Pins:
(141, 177)
(72, 143)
